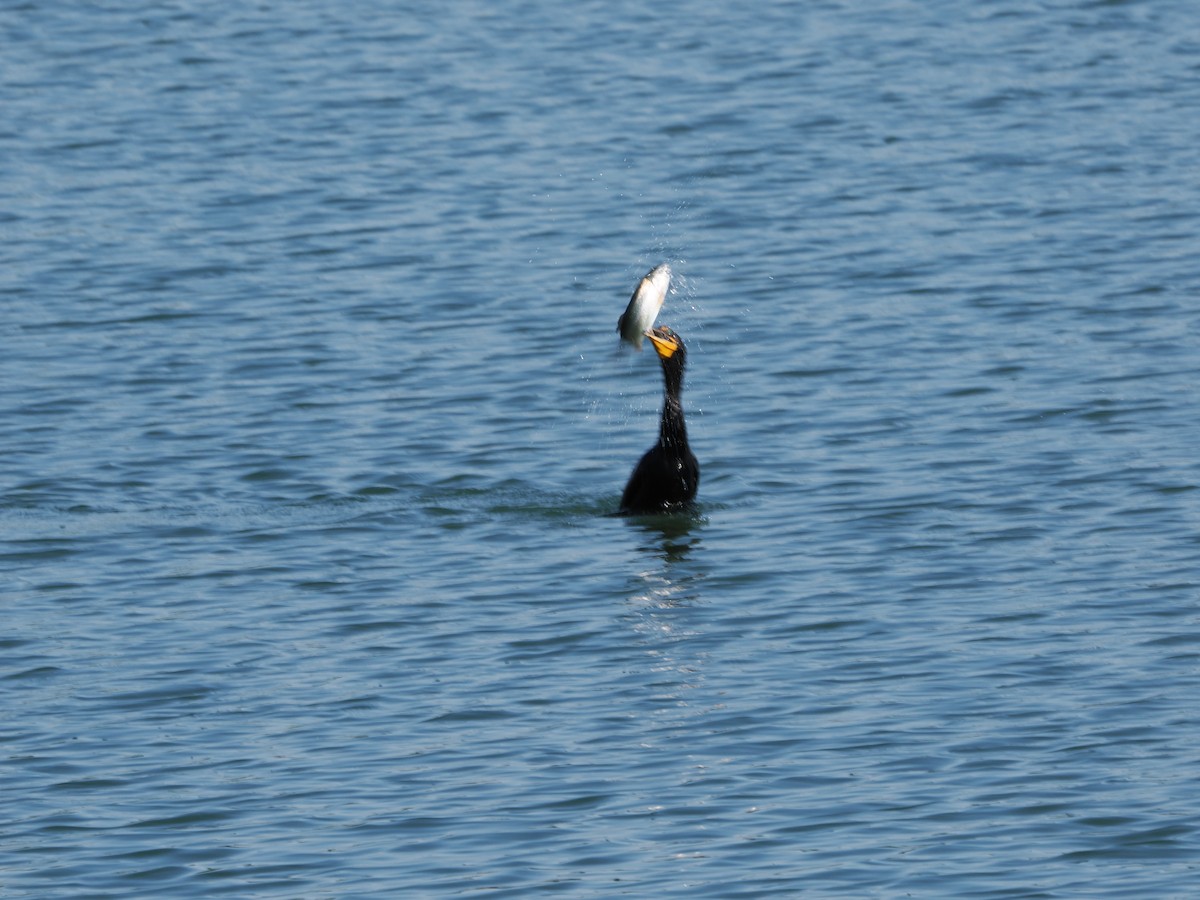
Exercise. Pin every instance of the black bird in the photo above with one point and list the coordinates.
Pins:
(666, 477)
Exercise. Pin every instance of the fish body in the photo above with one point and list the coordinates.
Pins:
(644, 305)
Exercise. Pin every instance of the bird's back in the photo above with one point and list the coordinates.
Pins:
(662, 481)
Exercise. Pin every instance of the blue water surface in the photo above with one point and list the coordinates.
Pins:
(314, 418)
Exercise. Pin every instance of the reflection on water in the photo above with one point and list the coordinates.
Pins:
(672, 629)
(669, 540)
(670, 536)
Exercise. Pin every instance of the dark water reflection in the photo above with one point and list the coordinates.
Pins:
(673, 536)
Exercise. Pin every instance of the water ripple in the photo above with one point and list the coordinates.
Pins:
(315, 422)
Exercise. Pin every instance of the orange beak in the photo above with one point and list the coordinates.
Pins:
(664, 345)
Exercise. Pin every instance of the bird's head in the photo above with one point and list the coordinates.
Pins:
(668, 345)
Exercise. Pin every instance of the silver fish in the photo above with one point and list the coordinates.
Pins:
(644, 305)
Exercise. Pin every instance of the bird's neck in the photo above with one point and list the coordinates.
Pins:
(672, 430)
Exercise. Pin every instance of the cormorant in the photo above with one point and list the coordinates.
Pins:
(666, 477)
